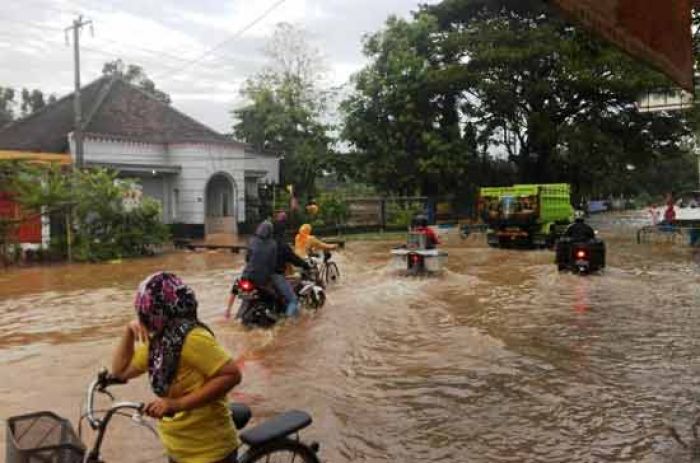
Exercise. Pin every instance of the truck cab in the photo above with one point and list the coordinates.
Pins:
(525, 215)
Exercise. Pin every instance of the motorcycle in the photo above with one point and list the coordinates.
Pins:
(581, 258)
(414, 258)
(262, 307)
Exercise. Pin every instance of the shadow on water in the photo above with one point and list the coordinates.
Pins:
(502, 359)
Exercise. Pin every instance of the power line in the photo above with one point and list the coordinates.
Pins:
(187, 62)
(91, 54)
(221, 44)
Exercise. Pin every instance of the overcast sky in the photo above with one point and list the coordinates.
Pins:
(164, 36)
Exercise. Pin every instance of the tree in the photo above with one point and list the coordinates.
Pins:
(134, 75)
(402, 127)
(7, 103)
(466, 82)
(286, 107)
(561, 103)
(32, 101)
(103, 228)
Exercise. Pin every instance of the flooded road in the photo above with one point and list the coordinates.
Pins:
(500, 360)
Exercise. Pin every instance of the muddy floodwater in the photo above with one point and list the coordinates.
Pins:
(501, 359)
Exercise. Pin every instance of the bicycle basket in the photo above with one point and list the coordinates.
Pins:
(42, 437)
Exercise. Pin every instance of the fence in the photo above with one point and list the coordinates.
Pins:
(339, 215)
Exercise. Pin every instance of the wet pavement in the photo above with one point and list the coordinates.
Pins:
(501, 359)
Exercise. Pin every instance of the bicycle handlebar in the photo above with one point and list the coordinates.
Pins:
(100, 384)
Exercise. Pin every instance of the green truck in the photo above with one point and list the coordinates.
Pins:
(525, 215)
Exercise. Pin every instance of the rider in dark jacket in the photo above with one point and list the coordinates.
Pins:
(262, 255)
(580, 231)
(261, 260)
(285, 255)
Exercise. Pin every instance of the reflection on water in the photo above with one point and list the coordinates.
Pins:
(500, 360)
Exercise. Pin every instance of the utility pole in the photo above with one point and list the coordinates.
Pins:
(78, 24)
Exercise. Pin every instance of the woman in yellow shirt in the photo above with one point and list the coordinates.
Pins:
(305, 242)
(188, 370)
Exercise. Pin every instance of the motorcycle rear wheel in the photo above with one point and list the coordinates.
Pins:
(257, 316)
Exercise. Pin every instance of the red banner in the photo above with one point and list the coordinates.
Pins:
(657, 31)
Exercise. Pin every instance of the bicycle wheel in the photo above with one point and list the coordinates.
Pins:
(312, 301)
(332, 274)
(280, 451)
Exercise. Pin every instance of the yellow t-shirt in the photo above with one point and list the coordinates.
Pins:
(205, 434)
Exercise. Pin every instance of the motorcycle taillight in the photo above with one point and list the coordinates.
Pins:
(246, 285)
(580, 254)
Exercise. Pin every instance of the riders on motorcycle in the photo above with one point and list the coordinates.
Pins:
(188, 370)
(305, 243)
(420, 225)
(579, 231)
(285, 255)
(261, 260)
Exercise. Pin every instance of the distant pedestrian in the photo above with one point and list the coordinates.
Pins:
(670, 214)
(654, 214)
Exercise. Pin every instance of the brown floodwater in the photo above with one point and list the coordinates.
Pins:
(501, 359)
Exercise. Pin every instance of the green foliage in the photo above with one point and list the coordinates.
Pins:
(30, 102)
(102, 228)
(400, 213)
(135, 75)
(284, 110)
(333, 209)
(471, 91)
(7, 103)
(405, 134)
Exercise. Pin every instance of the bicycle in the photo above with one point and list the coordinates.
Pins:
(327, 271)
(44, 436)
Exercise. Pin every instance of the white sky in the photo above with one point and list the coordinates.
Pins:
(162, 36)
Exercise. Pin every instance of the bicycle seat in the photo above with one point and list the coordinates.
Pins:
(280, 426)
(240, 413)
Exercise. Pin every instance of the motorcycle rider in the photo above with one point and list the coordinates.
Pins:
(260, 261)
(285, 255)
(420, 225)
(579, 231)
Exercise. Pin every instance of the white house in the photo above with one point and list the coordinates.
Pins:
(201, 178)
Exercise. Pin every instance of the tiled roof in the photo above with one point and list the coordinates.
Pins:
(112, 108)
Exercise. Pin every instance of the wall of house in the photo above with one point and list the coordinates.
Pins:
(158, 188)
(103, 150)
(199, 164)
(183, 196)
(263, 162)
